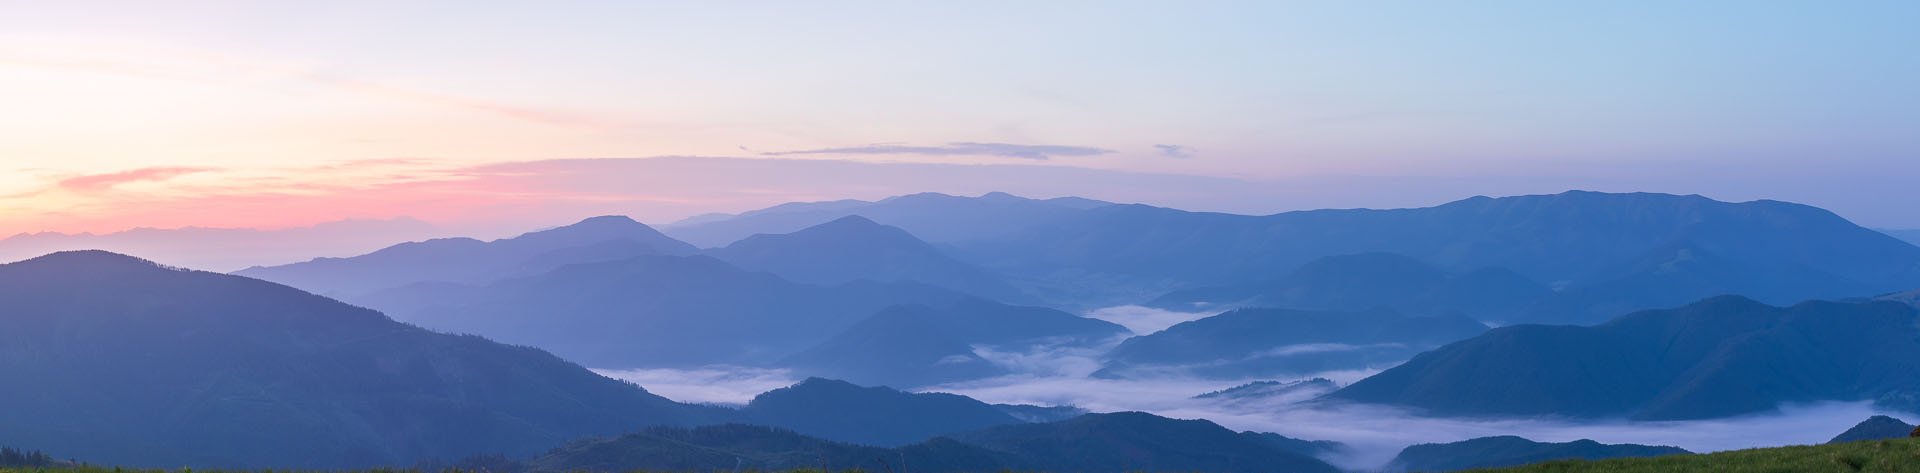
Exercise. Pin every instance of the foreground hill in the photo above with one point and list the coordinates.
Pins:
(470, 261)
(1493, 452)
(1137, 441)
(841, 411)
(1128, 441)
(854, 248)
(1894, 456)
(1568, 240)
(137, 364)
(1254, 343)
(1718, 357)
(1875, 428)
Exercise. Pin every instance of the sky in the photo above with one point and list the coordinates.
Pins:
(509, 114)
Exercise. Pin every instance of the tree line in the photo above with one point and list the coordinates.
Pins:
(12, 457)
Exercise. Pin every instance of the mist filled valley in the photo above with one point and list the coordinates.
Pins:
(1331, 341)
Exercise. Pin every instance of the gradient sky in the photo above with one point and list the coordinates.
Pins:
(268, 114)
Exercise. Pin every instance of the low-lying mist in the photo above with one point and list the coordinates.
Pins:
(1061, 376)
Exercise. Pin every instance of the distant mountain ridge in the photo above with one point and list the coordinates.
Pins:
(854, 248)
(932, 216)
(1129, 253)
(1718, 357)
(465, 260)
(142, 365)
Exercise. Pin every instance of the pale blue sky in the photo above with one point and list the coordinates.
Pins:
(1509, 93)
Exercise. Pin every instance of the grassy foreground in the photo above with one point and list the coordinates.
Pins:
(1902, 455)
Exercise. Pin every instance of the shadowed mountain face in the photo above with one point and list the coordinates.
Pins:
(1718, 357)
(932, 216)
(1374, 280)
(1280, 343)
(1496, 452)
(918, 345)
(1875, 428)
(137, 364)
(654, 311)
(1137, 441)
(841, 411)
(854, 248)
(469, 261)
(1127, 253)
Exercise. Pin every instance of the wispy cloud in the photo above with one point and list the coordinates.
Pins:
(1035, 152)
(94, 182)
(1174, 151)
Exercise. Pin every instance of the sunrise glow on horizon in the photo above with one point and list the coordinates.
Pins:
(267, 115)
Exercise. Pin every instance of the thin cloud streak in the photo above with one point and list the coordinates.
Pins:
(95, 182)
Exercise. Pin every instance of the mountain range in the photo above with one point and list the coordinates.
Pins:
(1788, 252)
(1718, 357)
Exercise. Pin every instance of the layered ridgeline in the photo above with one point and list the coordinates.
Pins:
(854, 248)
(1128, 441)
(1256, 343)
(1688, 247)
(1718, 357)
(470, 261)
(940, 218)
(611, 300)
(121, 361)
(1495, 452)
(684, 311)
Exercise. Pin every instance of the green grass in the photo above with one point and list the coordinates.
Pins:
(1901, 455)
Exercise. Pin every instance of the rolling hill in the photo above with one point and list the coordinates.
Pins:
(1495, 452)
(138, 364)
(1717, 357)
